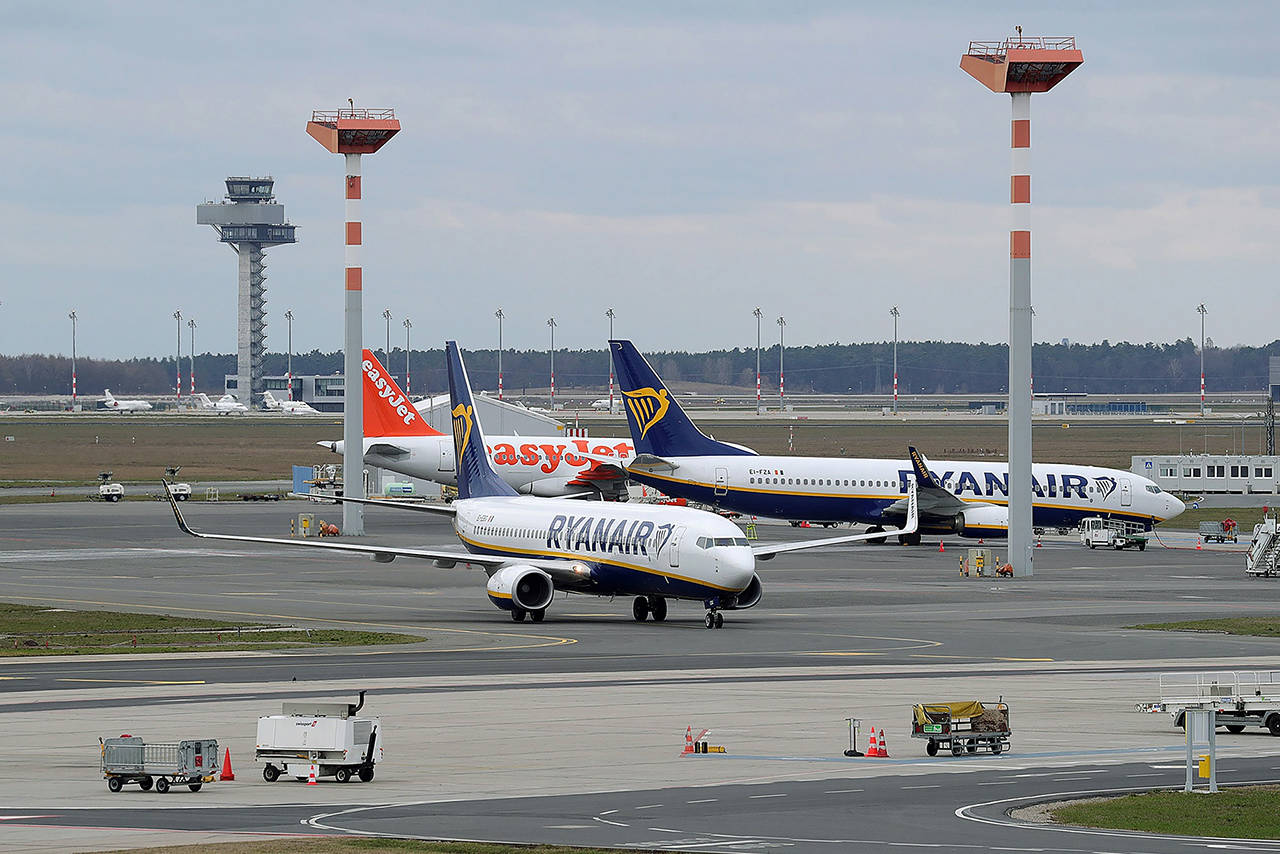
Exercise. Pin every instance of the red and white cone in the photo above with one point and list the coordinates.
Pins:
(688, 741)
(1199, 543)
(882, 751)
(311, 778)
(940, 548)
(872, 749)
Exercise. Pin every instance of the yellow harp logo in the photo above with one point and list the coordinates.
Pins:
(647, 406)
(461, 429)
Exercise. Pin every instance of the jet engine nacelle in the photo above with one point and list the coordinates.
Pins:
(525, 587)
(983, 522)
(547, 487)
(748, 598)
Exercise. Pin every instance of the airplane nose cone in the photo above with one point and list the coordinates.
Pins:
(737, 568)
(1173, 507)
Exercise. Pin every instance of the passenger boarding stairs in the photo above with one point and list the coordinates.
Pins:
(1264, 550)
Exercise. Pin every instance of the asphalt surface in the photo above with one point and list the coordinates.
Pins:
(963, 806)
(845, 617)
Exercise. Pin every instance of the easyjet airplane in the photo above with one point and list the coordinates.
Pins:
(398, 439)
(961, 496)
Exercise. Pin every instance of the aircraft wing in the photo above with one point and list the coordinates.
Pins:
(766, 552)
(563, 572)
(446, 510)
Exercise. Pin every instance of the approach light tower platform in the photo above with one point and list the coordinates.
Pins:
(249, 221)
(351, 133)
(1020, 66)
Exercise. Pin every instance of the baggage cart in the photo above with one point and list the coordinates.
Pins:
(129, 759)
(1220, 532)
(964, 727)
(1238, 698)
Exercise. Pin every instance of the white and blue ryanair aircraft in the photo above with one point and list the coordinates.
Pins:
(531, 547)
(955, 497)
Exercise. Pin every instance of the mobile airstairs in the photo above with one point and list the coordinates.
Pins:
(1264, 550)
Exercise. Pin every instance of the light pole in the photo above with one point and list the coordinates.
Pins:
(894, 311)
(782, 385)
(609, 314)
(551, 322)
(177, 359)
(191, 325)
(407, 327)
(498, 314)
(1203, 311)
(759, 404)
(288, 316)
(72, 315)
(386, 315)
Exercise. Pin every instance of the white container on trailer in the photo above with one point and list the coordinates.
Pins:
(324, 735)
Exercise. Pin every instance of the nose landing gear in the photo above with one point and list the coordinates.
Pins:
(714, 619)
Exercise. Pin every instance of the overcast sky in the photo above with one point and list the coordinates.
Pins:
(680, 162)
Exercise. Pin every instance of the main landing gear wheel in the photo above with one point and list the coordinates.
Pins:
(714, 620)
(640, 609)
(658, 608)
(876, 541)
(517, 615)
(538, 614)
(912, 539)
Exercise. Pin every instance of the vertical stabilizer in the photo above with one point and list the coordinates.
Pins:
(658, 425)
(387, 410)
(476, 478)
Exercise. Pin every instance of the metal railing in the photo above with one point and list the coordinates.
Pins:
(332, 116)
(1001, 48)
(1232, 684)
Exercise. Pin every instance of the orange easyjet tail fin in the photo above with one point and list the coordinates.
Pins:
(387, 410)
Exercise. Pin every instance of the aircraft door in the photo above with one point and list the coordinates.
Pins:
(722, 481)
(674, 550)
(446, 456)
(1126, 492)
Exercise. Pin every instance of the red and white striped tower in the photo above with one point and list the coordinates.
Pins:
(1203, 311)
(353, 133)
(1020, 66)
(498, 314)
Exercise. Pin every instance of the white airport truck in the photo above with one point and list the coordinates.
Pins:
(321, 738)
(1111, 533)
(1239, 699)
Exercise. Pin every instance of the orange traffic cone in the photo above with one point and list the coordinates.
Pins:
(981, 541)
(1037, 541)
(227, 775)
(1199, 540)
(882, 751)
(872, 749)
(688, 741)
(311, 779)
(940, 548)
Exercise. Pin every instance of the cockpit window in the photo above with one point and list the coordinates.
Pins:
(712, 542)
(1153, 489)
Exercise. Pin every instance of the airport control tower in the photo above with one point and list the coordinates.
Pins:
(249, 221)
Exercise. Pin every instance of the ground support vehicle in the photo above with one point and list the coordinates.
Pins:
(1112, 533)
(1219, 532)
(111, 491)
(1263, 557)
(963, 727)
(129, 759)
(180, 491)
(1239, 698)
(324, 736)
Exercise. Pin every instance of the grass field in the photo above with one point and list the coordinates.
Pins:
(1246, 812)
(1265, 627)
(29, 630)
(346, 844)
(73, 449)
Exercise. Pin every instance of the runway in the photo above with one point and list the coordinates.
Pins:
(485, 713)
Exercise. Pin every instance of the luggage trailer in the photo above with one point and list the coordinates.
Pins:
(1239, 698)
(129, 759)
(324, 735)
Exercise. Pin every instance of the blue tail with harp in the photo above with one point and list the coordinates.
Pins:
(476, 477)
(658, 425)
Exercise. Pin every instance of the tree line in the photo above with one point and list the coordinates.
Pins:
(924, 367)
